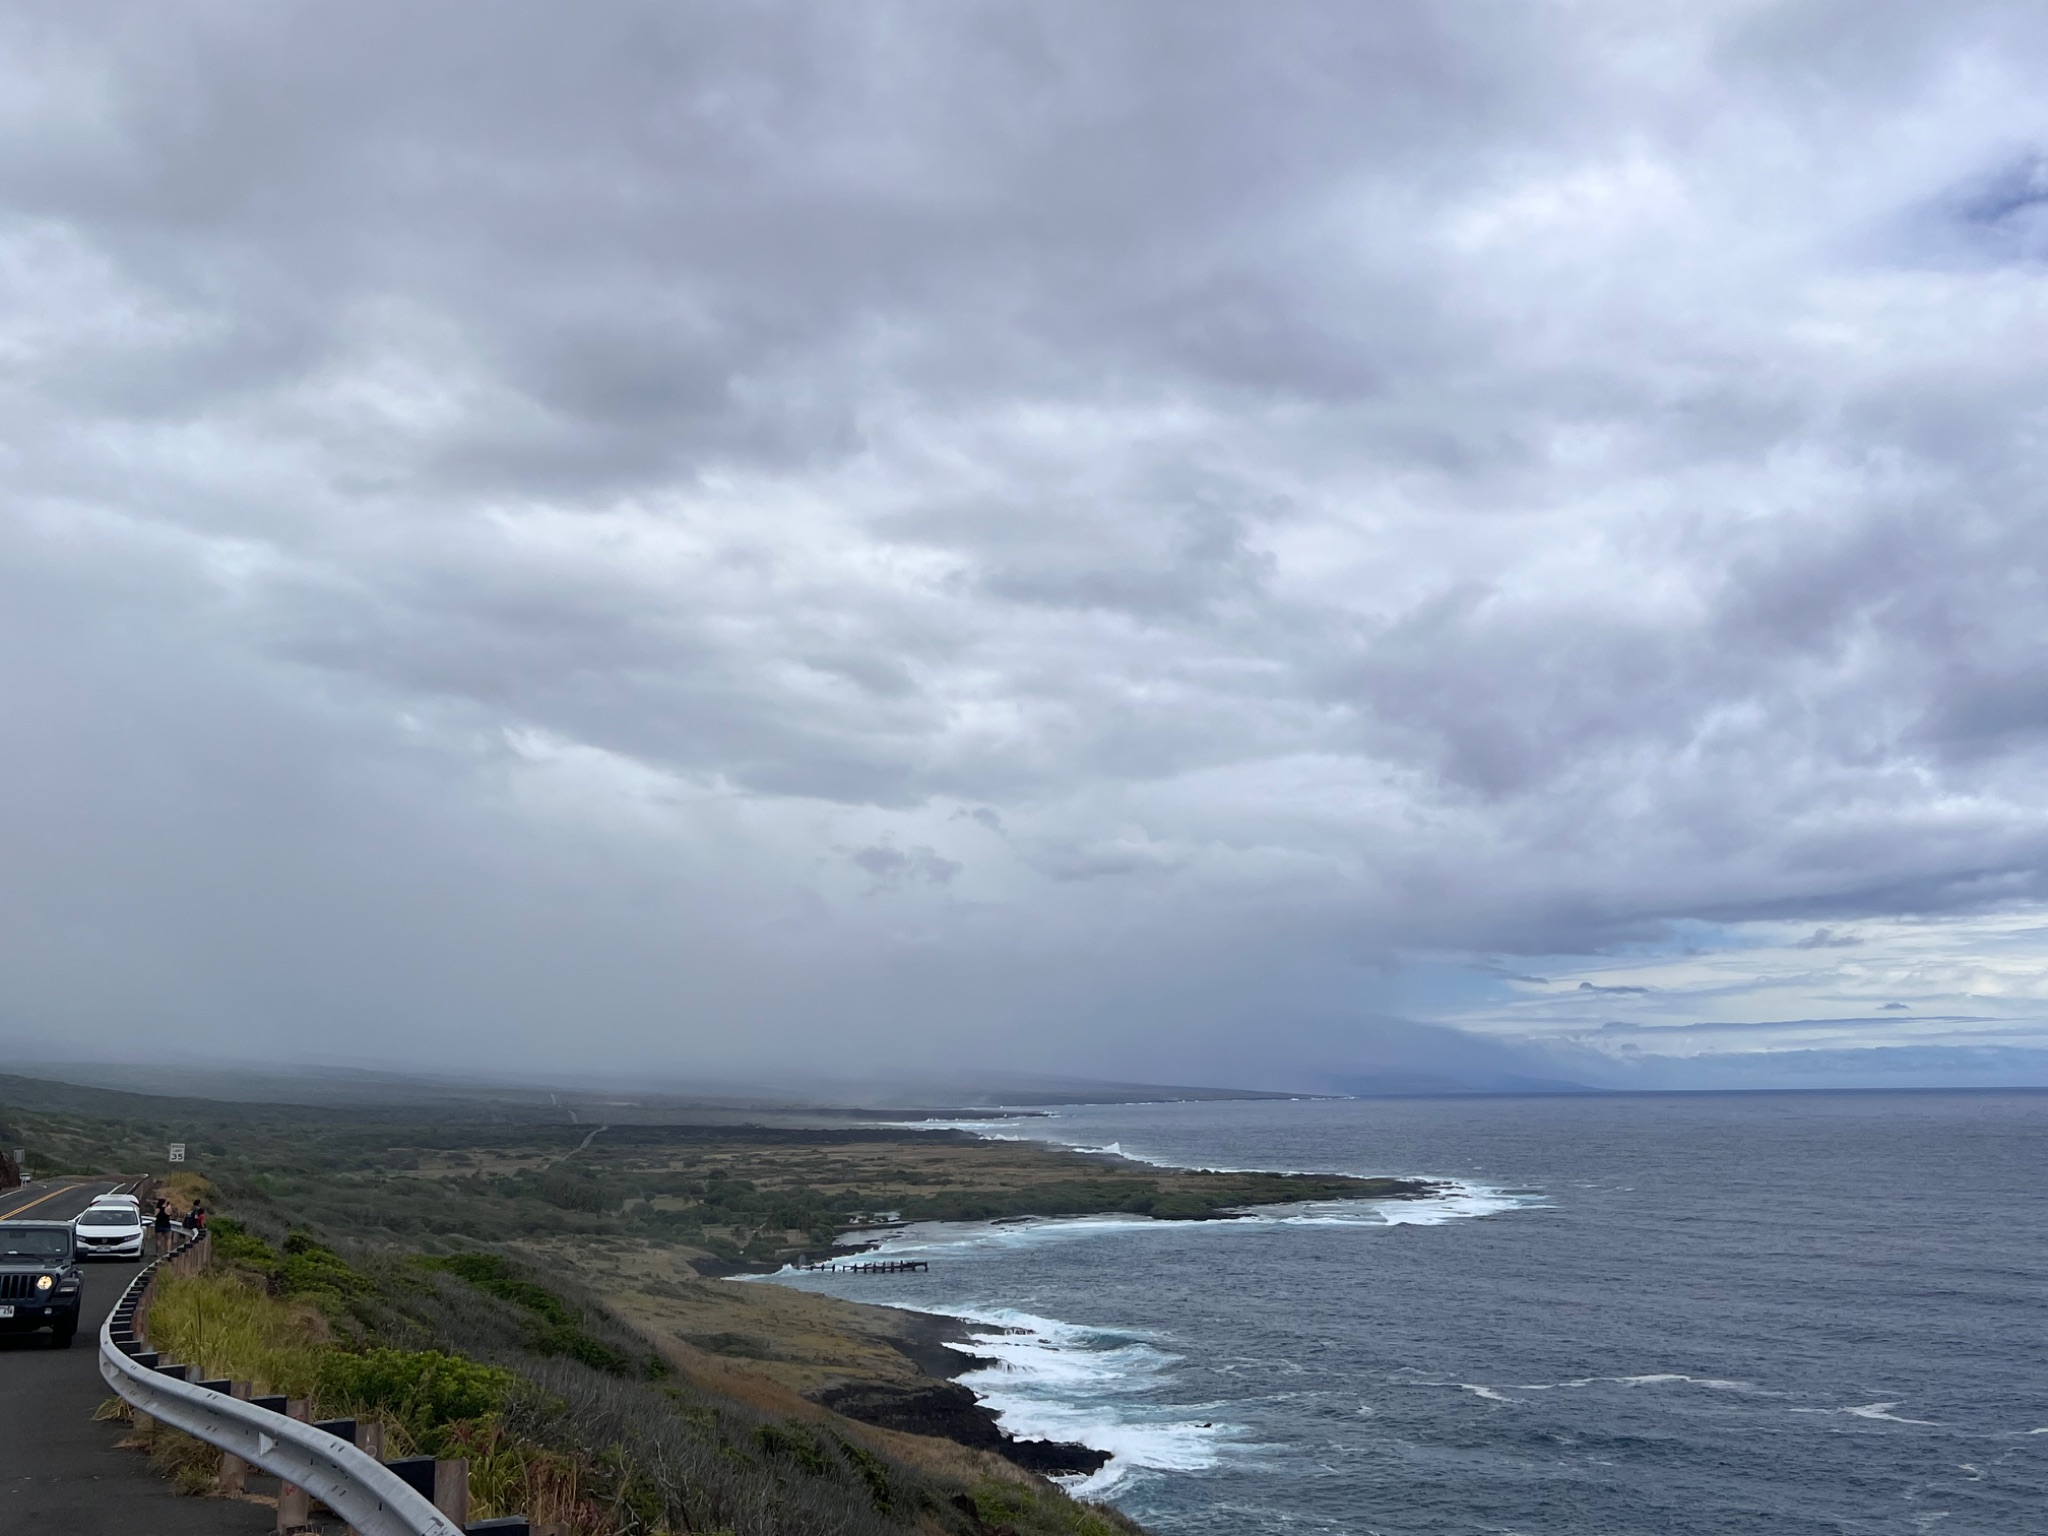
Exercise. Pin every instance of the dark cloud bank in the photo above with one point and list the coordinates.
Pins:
(1068, 537)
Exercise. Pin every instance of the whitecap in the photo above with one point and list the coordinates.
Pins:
(1649, 1379)
(1489, 1393)
(1884, 1411)
(1879, 1411)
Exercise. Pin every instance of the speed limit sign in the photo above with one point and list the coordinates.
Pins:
(177, 1151)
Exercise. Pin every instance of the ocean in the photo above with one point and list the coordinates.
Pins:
(1671, 1315)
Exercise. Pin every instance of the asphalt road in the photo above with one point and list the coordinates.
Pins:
(59, 1470)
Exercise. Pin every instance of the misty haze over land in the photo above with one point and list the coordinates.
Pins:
(1305, 546)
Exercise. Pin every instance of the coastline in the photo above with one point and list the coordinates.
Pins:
(1008, 1409)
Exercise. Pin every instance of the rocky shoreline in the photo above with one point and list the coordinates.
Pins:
(939, 1406)
(950, 1411)
(935, 1404)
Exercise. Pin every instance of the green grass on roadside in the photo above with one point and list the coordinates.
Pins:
(229, 1325)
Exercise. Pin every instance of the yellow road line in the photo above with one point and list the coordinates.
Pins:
(68, 1189)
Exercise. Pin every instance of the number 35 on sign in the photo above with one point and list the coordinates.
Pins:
(177, 1151)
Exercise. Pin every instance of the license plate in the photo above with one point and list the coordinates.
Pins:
(6, 1311)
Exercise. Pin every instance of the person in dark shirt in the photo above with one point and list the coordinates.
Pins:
(160, 1224)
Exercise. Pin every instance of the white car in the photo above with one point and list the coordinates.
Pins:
(110, 1228)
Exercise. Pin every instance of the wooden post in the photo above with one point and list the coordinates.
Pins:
(234, 1472)
(294, 1504)
(451, 1489)
(370, 1441)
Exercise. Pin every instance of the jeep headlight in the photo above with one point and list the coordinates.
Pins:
(44, 1282)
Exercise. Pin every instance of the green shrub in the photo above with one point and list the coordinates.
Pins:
(573, 1343)
(493, 1276)
(310, 1269)
(235, 1244)
(872, 1470)
(476, 1268)
(793, 1442)
(553, 1329)
(425, 1390)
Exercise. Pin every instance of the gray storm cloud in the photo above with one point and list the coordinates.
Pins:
(1001, 536)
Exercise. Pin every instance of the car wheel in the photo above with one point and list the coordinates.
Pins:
(61, 1338)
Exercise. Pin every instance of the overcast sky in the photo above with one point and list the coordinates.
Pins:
(1199, 542)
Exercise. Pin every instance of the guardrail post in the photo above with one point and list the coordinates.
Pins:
(294, 1504)
(451, 1489)
(234, 1472)
(370, 1441)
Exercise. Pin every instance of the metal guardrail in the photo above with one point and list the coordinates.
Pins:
(372, 1498)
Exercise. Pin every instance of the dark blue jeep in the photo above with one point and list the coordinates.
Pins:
(39, 1285)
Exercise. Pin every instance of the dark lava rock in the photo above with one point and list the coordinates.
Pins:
(949, 1411)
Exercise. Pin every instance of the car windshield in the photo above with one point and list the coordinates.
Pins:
(34, 1242)
(109, 1216)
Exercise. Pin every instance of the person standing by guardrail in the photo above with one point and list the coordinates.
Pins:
(160, 1224)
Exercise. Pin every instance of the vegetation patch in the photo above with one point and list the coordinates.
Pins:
(231, 1326)
(553, 1329)
(741, 1346)
(426, 1391)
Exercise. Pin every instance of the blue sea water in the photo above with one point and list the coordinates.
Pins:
(1659, 1314)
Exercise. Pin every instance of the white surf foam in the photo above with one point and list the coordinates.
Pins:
(1883, 1411)
(1488, 1393)
(1880, 1411)
(987, 1130)
(924, 1239)
(1650, 1379)
(1459, 1199)
(1061, 1381)
(1498, 1394)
